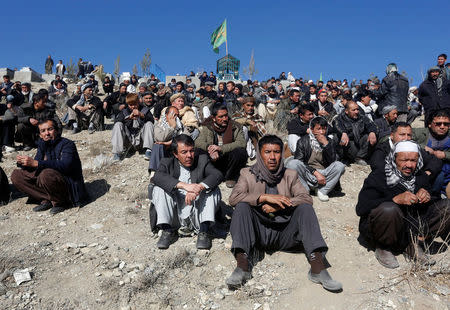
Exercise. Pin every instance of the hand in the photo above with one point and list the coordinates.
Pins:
(269, 209)
(214, 148)
(322, 139)
(294, 111)
(136, 112)
(423, 195)
(105, 105)
(320, 178)
(171, 119)
(9, 106)
(191, 188)
(429, 150)
(121, 107)
(189, 198)
(439, 154)
(344, 139)
(26, 161)
(406, 198)
(275, 200)
(323, 113)
(34, 122)
(372, 138)
(214, 155)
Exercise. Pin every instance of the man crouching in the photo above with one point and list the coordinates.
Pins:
(186, 193)
(274, 212)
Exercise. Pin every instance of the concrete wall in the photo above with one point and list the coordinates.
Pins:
(6, 71)
(26, 74)
(48, 77)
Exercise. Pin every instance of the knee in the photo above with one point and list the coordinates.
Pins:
(387, 210)
(339, 166)
(16, 176)
(292, 164)
(241, 209)
(46, 175)
(118, 126)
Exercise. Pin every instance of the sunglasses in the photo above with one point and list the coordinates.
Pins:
(439, 124)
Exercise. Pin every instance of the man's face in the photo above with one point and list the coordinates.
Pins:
(230, 87)
(307, 117)
(6, 79)
(185, 154)
(334, 93)
(434, 75)
(25, 89)
(123, 89)
(402, 134)
(365, 100)
(178, 103)
(441, 61)
(406, 162)
(39, 105)
(47, 131)
(126, 82)
(312, 90)
(221, 118)
(88, 93)
(295, 97)
(133, 105)
(319, 130)
(249, 108)
(271, 156)
(142, 89)
(58, 85)
(440, 125)
(352, 110)
(391, 117)
(323, 97)
(178, 88)
(208, 87)
(148, 100)
(236, 91)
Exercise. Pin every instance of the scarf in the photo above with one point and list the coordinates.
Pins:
(226, 131)
(394, 176)
(263, 174)
(367, 109)
(315, 145)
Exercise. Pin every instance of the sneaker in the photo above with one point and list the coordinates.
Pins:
(185, 231)
(75, 130)
(230, 183)
(91, 130)
(148, 154)
(238, 278)
(203, 241)
(322, 197)
(116, 157)
(386, 258)
(45, 205)
(9, 149)
(326, 280)
(166, 239)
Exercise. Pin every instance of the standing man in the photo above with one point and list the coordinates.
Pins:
(60, 68)
(49, 65)
(444, 71)
(274, 212)
(54, 178)
(434, 93)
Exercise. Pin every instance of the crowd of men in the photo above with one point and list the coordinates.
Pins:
(196, 138)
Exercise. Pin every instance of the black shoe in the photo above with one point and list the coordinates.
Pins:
(45, 205)
(238, 278)
(57, 209)
(203, 241)
(166, 239)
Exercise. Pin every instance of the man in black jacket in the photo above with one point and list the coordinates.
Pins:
(85, 111)
(394, 91)
(115, 102)
(357, 134)
(186, 192)
(322, 107)
(395, 208)
(315, 160)
(299, 126)
(386, 122)
(434, 93)
(134, 126)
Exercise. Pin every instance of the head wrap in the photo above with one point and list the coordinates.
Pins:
(388, 109)
(85, 86)
(395, 176)
(263, 174)
(315, 145)
(176, 96)
(392, 67)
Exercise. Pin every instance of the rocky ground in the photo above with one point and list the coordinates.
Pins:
(103, 256)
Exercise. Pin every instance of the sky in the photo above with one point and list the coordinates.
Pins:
(340, 39)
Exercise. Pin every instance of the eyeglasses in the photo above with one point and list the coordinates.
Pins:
(439, 124)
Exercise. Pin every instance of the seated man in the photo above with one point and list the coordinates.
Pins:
(323, 107)
(54, 178)
(186, 192)
(28, 117)
(108, 85)
(402, 131)
(57, 92)
(4, 188)
(224, 141)
(396, 208)
(27, 93)
(384, 124)
(94, 83)
(253, 124)
(299, 126)
(436, 141)
(287, 109)
(133, 126)
(115, 102)
(357, 134)
(315, 160)
(273, 212)
(5, 87)
(85, 111)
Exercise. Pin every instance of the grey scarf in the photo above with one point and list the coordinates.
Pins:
(263, 174)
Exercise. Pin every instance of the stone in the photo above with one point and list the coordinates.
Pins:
(96, 226)
(22, 275)
(48, 77)
(121, 265)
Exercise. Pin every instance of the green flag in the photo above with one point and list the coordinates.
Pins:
(219, 36)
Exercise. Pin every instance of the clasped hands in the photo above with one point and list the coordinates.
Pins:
(273, 203)
(193, 191)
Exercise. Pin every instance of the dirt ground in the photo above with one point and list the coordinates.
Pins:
(104, 256)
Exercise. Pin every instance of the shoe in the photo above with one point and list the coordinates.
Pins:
(148, 154)
(116, 157)
(361, 162)
(91, 130)
(415, 253)
(326, 280)
(203, 241)
(322, 197)
(185, 231)
(238, 278)
(9, 149)
(27, 148)
(386, 258)
(230, 183)
(166, 239)
(57, 209)
(45, 205)
(75, 130)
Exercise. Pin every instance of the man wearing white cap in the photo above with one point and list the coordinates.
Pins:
(398, 213)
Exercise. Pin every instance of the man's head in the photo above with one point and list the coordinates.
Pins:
(352, 110)
(441, 59)
(142, 88)
(318, 126)
(132, 101)
(306, 113)
(433, 72)
(183, 149)
(179, 86)
(48, 130)
(6, 78)
(312, 89)
(334, 93)
(406, 157)
(209, 86)
(248, 104)
(87, 91)
(363, 96)
(439, 123)
(294, 95)
(390, 113)
(177, 101)
(147, 98)
(57, 77)
(39, 102)
(322, 95)
(26, 88)
(220, 114)
(271, 149)
(174, 111)
(401, 131)
(122, 88)
(230, 86)
(392, 67)
(58, 84)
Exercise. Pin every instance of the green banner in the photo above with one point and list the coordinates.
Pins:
(219, 36)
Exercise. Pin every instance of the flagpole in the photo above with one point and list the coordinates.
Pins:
(226, 46)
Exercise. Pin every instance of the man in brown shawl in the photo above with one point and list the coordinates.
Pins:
(273, 212)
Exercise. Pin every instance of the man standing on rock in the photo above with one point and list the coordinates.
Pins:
(49, 65)
(54, 178)
(186, 193)
(273, 212)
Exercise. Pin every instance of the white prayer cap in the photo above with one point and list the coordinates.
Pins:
(406, 146)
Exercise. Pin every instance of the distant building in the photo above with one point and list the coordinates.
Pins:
(228, 68)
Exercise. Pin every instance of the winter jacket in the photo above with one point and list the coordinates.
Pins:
(303, 152)
(429, 97)
(393, 91)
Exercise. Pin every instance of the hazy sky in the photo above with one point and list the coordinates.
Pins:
(342, 39)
